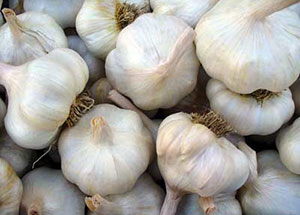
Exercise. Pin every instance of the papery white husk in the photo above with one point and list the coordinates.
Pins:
(295, 88)
(97, 25)
(40, 95)
(246, 114)
(47, 192)
(276, 191)
(28, 36)
(11, 190)
(288, 145)
(248, 46)
(189, 11)
(64, 12)
(106, 151)
(154, 63)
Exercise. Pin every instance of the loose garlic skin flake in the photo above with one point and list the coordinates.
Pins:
(11, 190)
(249, 46)
(288, 145)
(47, 192)
(40, 94)
(248, 114)
(154, 63)
(106, 151)
(28, 36)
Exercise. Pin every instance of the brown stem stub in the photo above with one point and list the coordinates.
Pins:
(207, 204)
(93, 202)
(81, 105)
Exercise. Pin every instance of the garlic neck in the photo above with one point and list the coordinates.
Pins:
(207, 204)
(35, 208)
(99, 205)
(171, 202)
(101, 132)
(14, 24)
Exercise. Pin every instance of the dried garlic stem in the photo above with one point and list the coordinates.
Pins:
(207, 204)
(35, 208)
(260, 95)
(12, 21)
(100, 130)
(81, 105)
(99, 205)
(171, 202)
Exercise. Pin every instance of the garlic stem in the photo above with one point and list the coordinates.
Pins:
(101, 132)
(171, 202)
(35, 208)
(207, 204)
(12, 21)
(99, 205)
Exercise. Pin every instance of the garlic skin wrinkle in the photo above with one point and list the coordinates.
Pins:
(40, 95)
(47, 192)
(154, 63)
(145, 198)
(64, 12)
(11, 190)
(189, 11)
(288, 145)
(275, 191)
(106, 151)
(262, 113)
(28, 36)
(99, 22)
(257, 43)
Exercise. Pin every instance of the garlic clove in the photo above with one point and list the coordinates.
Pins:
(261, 112)
(99, 91)
(28, 36)
(11, 190)
(1, 18)
(46, 191)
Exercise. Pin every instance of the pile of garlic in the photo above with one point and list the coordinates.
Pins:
(149, 107)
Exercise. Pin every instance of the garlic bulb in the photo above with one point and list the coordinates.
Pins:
(261, 112)
(249, 45)
(295, 8)
(64, 12)
(19, 158)
(288, 145)
(194, 157)
(226, 204)
(295, 88)
(11, 190)
(106, 151)
(189, 11)
(99, 91)
(2, 112)
(41, 93)
(99, 22)
(275, 191)
(145, 198)
(154, 63)
(28, 36)
(47, 192)
(96, 66)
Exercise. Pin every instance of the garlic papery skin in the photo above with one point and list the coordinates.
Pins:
(41, 93)
(248, 46)
(154, 63)
(226, 204)
(261, 112)
(28, 36)
(19, 158)
(64, 12)
(275, 191)
(288, 145)
(47, 192)
(11, 190)
(295, 88)
(99, 22)
(99, 91)
(145, 198)
(96, 66)
(193, 157)
(189, 11)
(106, 151)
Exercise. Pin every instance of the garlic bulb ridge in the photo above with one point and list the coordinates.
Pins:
(28, 36)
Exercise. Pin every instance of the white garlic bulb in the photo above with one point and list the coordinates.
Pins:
(2, 112)
(96, 66)
(250, 45)
(145, 198)
(154, 63)
(288, 145)
(47, 192)
(226, 204)
(295, 88)
(106, 151)
(99, 91)
(19, 158)
(275, 191)
(11, 190)
(195, 157)
(261, 112)
(295, 8)
(99, 22)
(28, 36)
(41, 93)
(189, 11)
(64, 12)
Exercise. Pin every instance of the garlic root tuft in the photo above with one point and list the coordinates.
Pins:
(261, 95)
